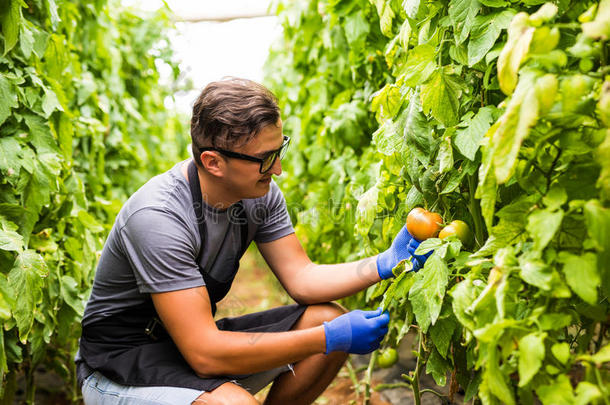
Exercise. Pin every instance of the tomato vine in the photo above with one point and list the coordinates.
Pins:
(493, 112)
(82, 125)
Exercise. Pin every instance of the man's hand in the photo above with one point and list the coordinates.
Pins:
(403, 247)
(357, 331)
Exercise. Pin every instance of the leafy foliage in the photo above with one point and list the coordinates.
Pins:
(490, 111)
(82, 125)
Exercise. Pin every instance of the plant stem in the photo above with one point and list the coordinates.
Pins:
(438, 394)
(381, 387)
(420, 355)
(367, 378)
(352, 375)
(475, 212)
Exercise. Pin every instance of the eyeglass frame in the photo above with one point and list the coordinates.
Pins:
(237, 155)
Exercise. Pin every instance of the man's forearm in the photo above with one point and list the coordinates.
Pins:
(317, 283)
(246, 352)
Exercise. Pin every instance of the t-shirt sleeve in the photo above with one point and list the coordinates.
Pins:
(273, 220)
(161, 251)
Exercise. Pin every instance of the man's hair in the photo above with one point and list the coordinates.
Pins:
(229, 113)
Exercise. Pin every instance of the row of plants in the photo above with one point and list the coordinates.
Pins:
(83, 123)
(493, 112)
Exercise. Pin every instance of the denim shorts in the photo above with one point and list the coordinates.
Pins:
(98, 390)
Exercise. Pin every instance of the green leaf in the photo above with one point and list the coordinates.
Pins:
(555, 198)
(9, 239)
(582, 275)
(71, 295)
(90, 222)
(485, 32)
(597, 219)
(462, 14)
(10, 19)
(356, 28)
(441, 334)
(531, 355)
(417, 132)
(558, 392)
(26, 279)
(8, 98)
(440, 97)
(428, 245)
(428, 291)
(468, 140)
(10, 156)
(536, 272)
(561, 351)
(438, 367)
(464, 294)
(389, 137)
(40, 134)
(495, 379)
(599, 358)
(554, 321)
(420, 65)
(586, 393)
(26, 41)
(387, 102)
(7, 300)
(50, 103)
(543, 225)
(520, 35)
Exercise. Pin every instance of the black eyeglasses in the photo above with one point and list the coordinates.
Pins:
(266, 163)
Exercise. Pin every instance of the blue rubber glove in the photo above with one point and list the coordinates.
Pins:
(403, 247)
(417, 260)
(357, 331)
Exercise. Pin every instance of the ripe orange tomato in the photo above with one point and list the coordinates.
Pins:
(458, 228)
(423, 224)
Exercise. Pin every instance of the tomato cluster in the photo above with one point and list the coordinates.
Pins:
(423, 224)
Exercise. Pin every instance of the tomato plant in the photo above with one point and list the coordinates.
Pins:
(82, 125)
(493, 112)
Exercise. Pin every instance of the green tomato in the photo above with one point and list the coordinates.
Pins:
(585, 65)
(459, 229)
(387, 358)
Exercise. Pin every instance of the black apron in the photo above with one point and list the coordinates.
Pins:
(133, 348)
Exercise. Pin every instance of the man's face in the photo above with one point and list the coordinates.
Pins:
(243, 177)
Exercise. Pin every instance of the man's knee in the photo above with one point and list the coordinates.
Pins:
(317, 314)
(226, 394)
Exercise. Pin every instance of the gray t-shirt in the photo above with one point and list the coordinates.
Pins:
(154, 243)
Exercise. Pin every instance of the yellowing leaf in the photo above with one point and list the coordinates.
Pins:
(599, 28)
(520, 34)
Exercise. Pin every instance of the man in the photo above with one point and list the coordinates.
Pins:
(149, 335)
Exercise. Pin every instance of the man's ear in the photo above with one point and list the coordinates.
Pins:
(213, 163)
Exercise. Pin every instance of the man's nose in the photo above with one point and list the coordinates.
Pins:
(277, 167)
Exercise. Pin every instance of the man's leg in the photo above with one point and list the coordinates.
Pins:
(227, 394)
(313, 374)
